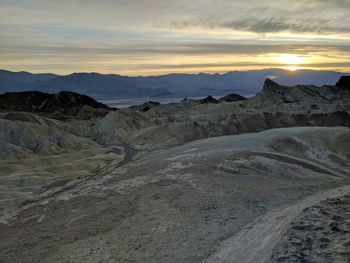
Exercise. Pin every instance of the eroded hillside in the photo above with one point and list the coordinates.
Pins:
(191, 181)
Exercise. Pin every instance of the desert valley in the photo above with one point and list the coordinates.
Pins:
(264, 179)
(158, 131)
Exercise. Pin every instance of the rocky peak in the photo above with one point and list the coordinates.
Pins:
(232, 97)
(208, 99)
(270, 85)
(145, 106)
(344, 82)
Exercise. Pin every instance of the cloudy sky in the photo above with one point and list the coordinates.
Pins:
(150, 37)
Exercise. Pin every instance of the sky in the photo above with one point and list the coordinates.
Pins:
(153, 37)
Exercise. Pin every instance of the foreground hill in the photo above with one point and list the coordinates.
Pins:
(245, 83)
(181, 204)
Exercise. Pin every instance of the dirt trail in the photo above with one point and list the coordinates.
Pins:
(255, 243)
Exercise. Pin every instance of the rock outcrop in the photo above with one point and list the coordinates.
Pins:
(145, 106)
(232, 98)
(208, 99)
(275, 106)
(344, 82)
(275, 94)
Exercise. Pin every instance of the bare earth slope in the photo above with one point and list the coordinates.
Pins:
(275, 106)
(39, 156)
(180, 204)
(80, 182)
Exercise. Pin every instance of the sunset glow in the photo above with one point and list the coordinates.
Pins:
(291, 59)
(292, 68)
(159, 37)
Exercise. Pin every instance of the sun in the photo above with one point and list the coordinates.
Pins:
(292, 68)
(290, 59)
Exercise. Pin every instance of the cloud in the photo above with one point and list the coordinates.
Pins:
(243, 64)
(269, 25)
(172, 48)
(311, 16)
(127, 34)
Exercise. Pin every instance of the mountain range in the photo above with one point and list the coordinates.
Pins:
(102, 86)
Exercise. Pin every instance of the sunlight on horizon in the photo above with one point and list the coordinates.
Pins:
(290, 59)
(292, 68)
(172, 36)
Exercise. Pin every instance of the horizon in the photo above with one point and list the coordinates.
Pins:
(176, 73)
(151, 38)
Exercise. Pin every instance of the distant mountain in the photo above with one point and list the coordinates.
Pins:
(14, 81)
(102, 86)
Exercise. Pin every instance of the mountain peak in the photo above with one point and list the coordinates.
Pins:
(270, 85)
(269, 82)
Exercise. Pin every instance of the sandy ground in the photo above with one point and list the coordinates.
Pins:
(181, 204)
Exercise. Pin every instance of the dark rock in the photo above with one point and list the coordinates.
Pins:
(208, 99)
(334, 227)
(308, 240)
(145, 106)
(65, 102)
(282, 258)
(323, 245)
(323, 240)
(337, 218)
(344, 82)
(303, 226)
(305, 253)
(325, 212)
(314, 107)
(190, 100)
(232, 97)
(346, 244)
(296, 241)
(270, 85)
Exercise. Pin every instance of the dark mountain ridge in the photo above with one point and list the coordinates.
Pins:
(62, 104)
(102, 86)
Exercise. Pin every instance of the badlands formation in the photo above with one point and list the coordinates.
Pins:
(265, 179)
